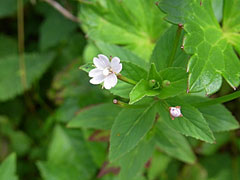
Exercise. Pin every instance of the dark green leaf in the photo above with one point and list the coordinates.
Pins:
(176, 82)
(129, 128)
(163, 49)
(55, 29)
(68, 157)
(191, 124)
(135, 160)
(173, 143)
(10, 78)
(218, 117)
(98, 117)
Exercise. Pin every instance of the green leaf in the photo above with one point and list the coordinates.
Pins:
(8, 45)
(196, 172)
(191, 124)
(122, 89)
(218, 117)
(122, 53)
(98, 117)
(176, 82)
(55, 29)
(141, 90)
(173, 143)
(153, 74)
(163, 49)
(210, 149)
(231, 22)
(8, 168)
(156, 169)
(7, 7)
(10, 79)
(132, 163)
(133, 71)
(130, 126)
(212, 52)
(220, 166)
(68, 157)
(119, 22)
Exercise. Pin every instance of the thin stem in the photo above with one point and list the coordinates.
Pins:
(175, 45)
(62, 10)
(219, 100)
(20, 20)
(21, 43)
(125, 79)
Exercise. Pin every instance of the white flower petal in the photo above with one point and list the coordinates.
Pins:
(116, 65)
(97, 79)
(104, 59)
(115, 61)
(110, 81)
(100, 64)
(95, 72)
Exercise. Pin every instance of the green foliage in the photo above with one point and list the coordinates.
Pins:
(211, 49)
(7, 8)
(96, 117)
(173, 143)
(119, 23)
(12, 85)
(54, 30)
(8, 168)
(68, 157)
(59, 126)
(129, 122)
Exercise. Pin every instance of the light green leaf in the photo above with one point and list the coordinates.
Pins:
(8, 168)
(163, 50)
(141, 90)
(121, 52)
(122, 89)
(98, 117)
(55, 29)
(133, 71)
(191, 124)
(119, 22)
(173, 143)
(132, 163)
(68, 157)
(10, 79)
(231, 22)
(153, 74)
(130, 126)
(211, 48)
(218, 117)
(176, 82)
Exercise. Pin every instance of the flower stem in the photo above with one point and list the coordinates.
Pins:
(219, 100)
(175, 45)
(125, 79)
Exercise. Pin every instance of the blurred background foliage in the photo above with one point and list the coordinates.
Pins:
(40, 97)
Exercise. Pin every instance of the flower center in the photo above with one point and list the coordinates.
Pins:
(106, 71)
